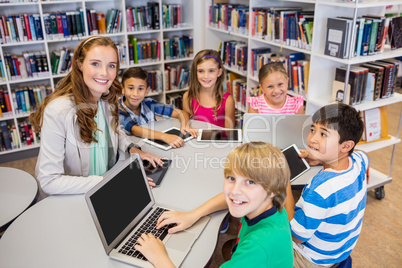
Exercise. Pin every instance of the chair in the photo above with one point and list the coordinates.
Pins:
(347, 263)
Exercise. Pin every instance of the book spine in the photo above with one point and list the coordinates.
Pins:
(38, 27)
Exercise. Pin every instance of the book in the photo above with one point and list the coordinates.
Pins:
(38, 26)
(94, 21)
(372, 124)
(100, 17)
(337, 37)
(6, 135)
(379, 75)
(364, 51)
(370, 86)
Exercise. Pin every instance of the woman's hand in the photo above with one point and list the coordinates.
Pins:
(183, 220)
(173, 140)
(154, 250)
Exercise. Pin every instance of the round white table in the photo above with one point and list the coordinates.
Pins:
(17, 191)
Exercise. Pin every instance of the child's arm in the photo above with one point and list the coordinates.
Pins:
(154, 250)
(172, 140)
(185, 220)
(184, 118)
(251, 110)
(186, 107)
(290, 202)
(230, 113)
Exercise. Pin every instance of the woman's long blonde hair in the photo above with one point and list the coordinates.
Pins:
(73, 84)
(195, 86)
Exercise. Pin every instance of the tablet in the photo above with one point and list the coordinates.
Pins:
(163, 145)
(219, 135)
(297, 165)
(156, 173)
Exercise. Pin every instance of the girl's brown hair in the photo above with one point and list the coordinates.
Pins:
(264, 164)
(270, 68)
(195, 86)
(73, 84)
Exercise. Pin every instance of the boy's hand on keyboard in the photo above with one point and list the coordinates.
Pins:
(183, 220)
(173, 140)
(154, 250)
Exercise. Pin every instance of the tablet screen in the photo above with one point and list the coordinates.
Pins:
(296, 164)
(220, 135)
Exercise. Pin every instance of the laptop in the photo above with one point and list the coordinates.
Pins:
(163, 145)
(281, 130)
(121, 203)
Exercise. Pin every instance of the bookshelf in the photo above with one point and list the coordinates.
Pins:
(189, 15)
(322, 67)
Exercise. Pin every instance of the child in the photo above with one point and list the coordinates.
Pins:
(136, 109)
(274, 86)
(205, 100)
(256, 177)
(329, 215)
(79, 122)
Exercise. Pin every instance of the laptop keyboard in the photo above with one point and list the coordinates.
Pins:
(149, 226)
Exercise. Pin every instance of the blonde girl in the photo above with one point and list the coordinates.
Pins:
(274, 82)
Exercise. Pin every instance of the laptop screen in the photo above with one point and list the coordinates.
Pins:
(120, 200)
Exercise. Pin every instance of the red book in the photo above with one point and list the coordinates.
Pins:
(26, 19)
(8, 102)
(17, 65)
(179, 15)
(59, 24)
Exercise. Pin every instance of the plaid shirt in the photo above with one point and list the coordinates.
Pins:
(149, 108)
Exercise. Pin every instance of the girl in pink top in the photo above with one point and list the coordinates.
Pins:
(274, 85)
(205, 99)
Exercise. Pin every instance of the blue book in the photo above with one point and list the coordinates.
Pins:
(18, 100)
(38, 27)
(13, 33)
(32, 27)
(3, 73)
(366, 38)
(31, 98)
(360, 36)
(6, 135)
(296, 56)
(64, 24)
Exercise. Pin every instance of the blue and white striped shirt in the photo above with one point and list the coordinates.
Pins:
(329, 213)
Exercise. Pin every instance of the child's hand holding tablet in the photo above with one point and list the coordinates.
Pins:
(297, 165)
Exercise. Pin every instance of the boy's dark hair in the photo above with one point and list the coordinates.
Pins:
(344, 119)
(135, 72)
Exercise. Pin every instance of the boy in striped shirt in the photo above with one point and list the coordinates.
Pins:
(329, 214)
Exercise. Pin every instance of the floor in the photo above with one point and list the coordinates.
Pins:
(379, 244)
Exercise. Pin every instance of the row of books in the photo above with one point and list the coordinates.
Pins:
(9, 135)
(61, 60)
(29, 64)
(367, 82)
(20, 28)
(155, 80)
(141, 51)
(234, 54)
(178, 47)
(26, 99)
(229, 17)
(176, 100)
(236, 85)
(143, 18)
(171, 16)
(65, 25)
(176, 77)
(289, 26)
(371, 35)
(5, 103)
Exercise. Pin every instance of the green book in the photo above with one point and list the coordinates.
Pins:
(133, 41)
(373, 37)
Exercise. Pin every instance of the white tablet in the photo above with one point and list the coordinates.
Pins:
(163, 145)
(219, 135)
(297, 165)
